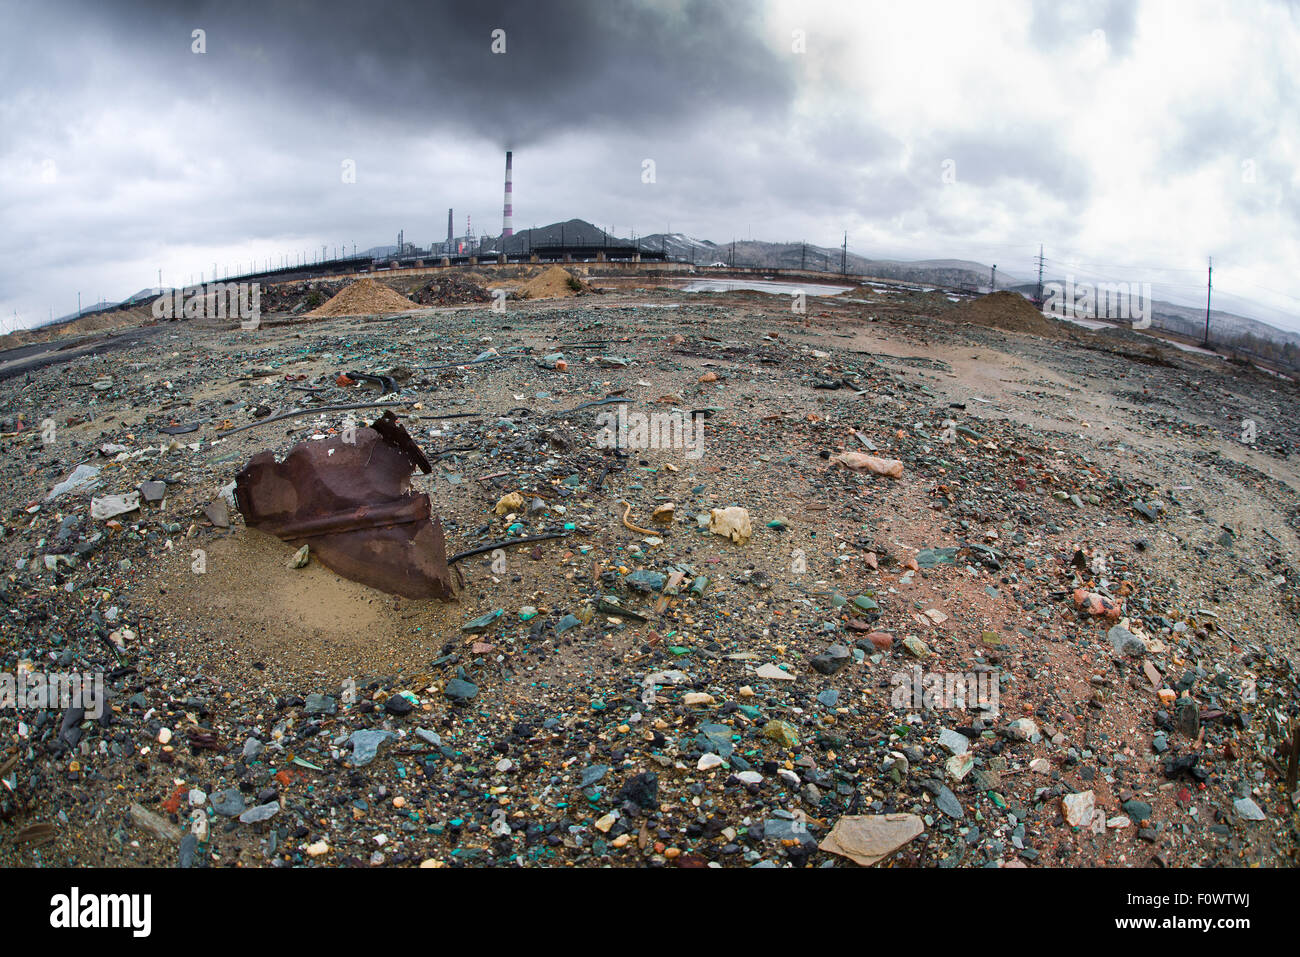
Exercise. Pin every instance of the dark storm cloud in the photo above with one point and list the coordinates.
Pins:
(123, 153)
(568, 64)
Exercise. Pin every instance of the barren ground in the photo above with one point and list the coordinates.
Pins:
(1056, 439)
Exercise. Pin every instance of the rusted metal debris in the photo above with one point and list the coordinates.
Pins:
(350, 498)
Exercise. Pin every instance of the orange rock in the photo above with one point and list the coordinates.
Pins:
(173, 803)
(860, 462)
(1095, 604)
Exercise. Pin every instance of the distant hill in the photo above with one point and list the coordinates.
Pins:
(1227, 329)
(679, 247)
(755, 254)
(1254, 336)
(102, 306)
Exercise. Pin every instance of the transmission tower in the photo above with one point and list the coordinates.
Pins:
(1038, 296)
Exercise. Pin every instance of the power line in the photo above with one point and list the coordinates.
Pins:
(1209, 277)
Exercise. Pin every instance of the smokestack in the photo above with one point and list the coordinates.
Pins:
(508, 214)
(450, 237)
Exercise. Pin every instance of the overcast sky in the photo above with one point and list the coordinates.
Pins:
(1132, 139)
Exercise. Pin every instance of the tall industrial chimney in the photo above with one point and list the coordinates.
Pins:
(450, 236)
(508, 214)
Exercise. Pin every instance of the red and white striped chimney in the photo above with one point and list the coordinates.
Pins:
(508, 214)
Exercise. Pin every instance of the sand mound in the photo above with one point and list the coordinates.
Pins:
(1010, 311)
(365, 297)
(554, 283)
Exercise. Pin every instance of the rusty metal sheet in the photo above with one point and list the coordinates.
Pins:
(352, 502)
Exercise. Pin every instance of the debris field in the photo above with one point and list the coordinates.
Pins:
(896, 581)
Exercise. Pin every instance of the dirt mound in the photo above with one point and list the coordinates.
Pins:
(110, 319)
(554, 283)
(1010, 311)
(365, 297)
(450, 291)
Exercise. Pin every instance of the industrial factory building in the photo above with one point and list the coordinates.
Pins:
(573, 241)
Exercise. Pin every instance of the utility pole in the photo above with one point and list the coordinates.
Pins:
(844, 256)
(1038, 297)
(78, 305)
(1209, 282)
(993, 282)
(803, 256)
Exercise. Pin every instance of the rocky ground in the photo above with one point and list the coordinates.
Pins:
(666, 696)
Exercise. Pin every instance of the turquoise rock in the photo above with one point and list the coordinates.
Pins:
(483, 622)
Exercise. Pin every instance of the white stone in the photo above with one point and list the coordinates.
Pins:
(1078, 808)
(708, 761)
(954, 741)
(732, 522)
(960, 765)
(1023, 729)
(1248, 810)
